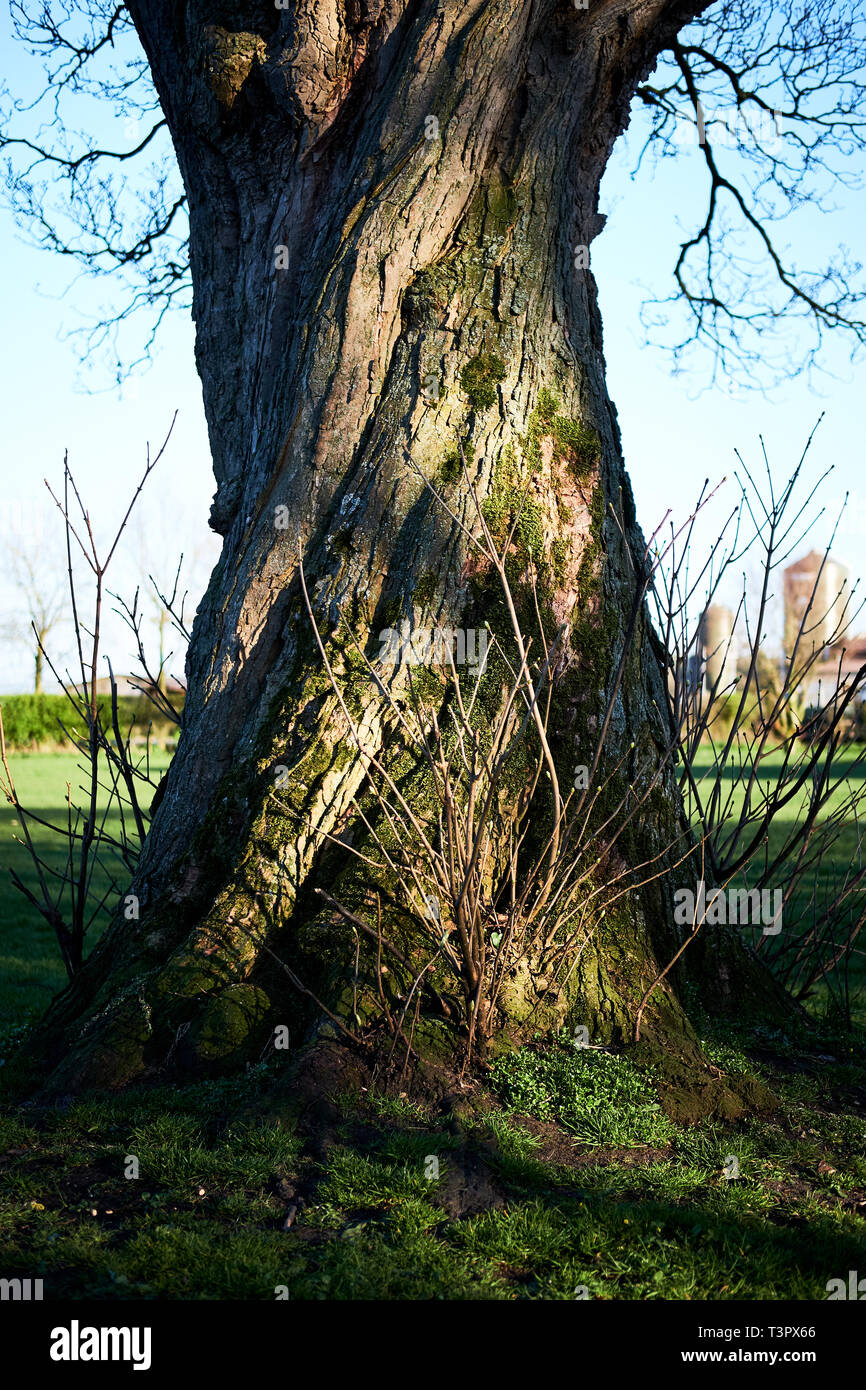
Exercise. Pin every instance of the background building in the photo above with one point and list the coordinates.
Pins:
(827, 590)
(718, 648)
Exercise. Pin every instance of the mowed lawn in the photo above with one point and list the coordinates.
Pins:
(844, 857)
(851, 777)
(31, 970)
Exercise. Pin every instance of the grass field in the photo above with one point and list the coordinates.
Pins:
(846, 855)
(31, 970)
(561, 1178)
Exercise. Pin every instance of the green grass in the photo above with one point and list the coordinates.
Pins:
(567, 1182)
(31, 970)
(786, 819)
(219, 1172)
(844, 856)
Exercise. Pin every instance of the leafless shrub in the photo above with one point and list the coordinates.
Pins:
(488, 900)
(751, 752)
(107, 815)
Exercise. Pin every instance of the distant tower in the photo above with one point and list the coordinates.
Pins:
(718, 648)
(828, 604)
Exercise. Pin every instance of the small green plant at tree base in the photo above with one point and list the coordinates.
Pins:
(598, 1096)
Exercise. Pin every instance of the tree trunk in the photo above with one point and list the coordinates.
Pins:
(391, 203)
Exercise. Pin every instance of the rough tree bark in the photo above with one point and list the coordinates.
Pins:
(380, 191)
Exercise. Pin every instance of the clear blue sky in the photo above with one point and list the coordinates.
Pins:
(674, 432)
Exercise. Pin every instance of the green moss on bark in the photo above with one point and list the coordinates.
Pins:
(575, 443)
(480, 378)
(231, 1027)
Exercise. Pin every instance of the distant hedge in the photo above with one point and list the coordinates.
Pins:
(34, 721)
